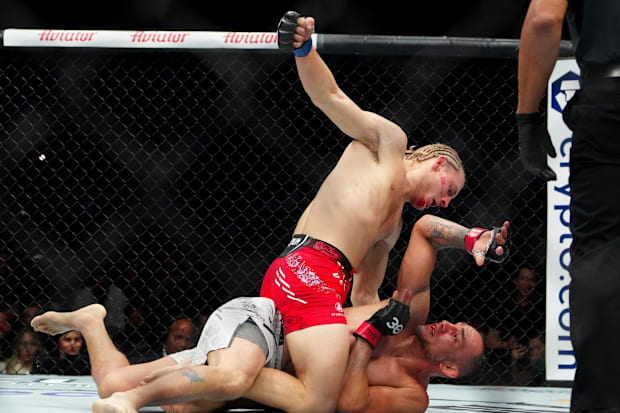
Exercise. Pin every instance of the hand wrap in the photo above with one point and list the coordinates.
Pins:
(388, 321)
(489, 252)
(286, 31)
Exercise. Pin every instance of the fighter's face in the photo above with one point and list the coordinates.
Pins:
(440, 184)
(447, 341)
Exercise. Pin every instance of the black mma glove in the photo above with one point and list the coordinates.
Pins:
(535, 144)
(388, 321)
(489, 253)
(286, 31)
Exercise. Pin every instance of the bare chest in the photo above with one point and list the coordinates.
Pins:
(382, 200)
(388, 371)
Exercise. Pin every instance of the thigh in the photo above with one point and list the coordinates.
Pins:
(320, 356)
(242, 356)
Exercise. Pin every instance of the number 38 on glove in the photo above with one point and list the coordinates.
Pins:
(388, 321)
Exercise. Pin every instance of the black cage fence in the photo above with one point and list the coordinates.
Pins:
(161, 183)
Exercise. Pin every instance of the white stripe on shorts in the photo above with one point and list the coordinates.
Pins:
(297, 299)
(282, 276)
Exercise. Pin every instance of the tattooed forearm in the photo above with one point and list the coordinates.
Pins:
(445, 234)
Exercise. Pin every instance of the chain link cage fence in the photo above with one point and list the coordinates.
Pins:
(162, 183)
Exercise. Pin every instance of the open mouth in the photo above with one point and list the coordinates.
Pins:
(430, 204)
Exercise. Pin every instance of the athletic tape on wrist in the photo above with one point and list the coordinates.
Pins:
(304, 49)
(471, 237)
(369, 333)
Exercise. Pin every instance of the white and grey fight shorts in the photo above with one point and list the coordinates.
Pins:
(230, 321)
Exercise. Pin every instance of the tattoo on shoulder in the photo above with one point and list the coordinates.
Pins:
(191, 374)
(445, 234)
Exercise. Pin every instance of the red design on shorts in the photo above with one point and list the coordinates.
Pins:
(305, 290)
(327, 249)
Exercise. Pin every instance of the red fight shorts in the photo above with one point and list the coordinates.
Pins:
(309, 283)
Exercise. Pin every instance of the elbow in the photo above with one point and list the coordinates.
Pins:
(421, 226)
(546, 21)
(326, 98)
(316, 100)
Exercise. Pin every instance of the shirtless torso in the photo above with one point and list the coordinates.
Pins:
(361, 192)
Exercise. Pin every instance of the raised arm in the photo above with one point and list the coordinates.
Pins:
(431, 233)
(377, 133)
(540, 44)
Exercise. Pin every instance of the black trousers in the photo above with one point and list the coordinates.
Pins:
(594, 116)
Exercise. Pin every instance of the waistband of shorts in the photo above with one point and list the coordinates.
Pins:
(302, 240)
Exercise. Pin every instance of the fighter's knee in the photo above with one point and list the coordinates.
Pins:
(238, 383)
(106, 387)
(112, 383)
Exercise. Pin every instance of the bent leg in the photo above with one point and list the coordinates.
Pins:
(229, 374)
(109, 367)
(103, 354)
(320, 355)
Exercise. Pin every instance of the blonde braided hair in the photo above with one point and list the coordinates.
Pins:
(435, 150)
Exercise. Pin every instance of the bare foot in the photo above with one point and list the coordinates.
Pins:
(54, 323)
(113, 404)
